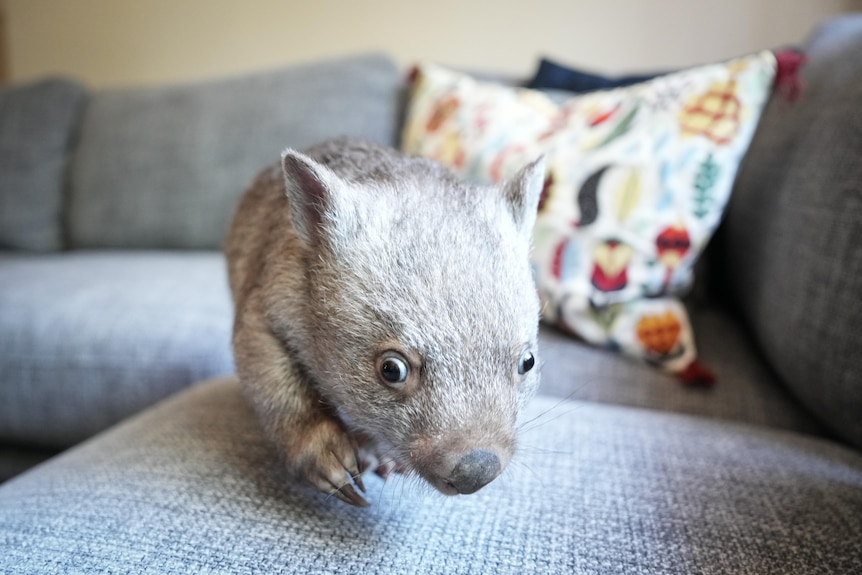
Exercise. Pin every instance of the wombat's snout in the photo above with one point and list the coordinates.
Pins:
(474, 471)
(459, 469)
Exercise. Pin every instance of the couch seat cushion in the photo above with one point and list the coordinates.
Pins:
(87, 338)
(747, 390)
(192, 487)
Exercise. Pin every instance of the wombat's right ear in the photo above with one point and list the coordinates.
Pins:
(312, 192)
(522, 193)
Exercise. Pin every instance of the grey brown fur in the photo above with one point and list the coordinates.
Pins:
(350, 264)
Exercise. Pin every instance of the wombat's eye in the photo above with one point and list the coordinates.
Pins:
(393, 369)
(526, 362)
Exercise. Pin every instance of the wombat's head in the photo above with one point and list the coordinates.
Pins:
(423, 313)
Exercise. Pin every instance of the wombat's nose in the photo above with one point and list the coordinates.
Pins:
(475, 470)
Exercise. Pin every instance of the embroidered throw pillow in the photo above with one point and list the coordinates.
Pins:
(637, 181)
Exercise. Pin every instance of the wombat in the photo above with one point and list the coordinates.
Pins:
(386, 315)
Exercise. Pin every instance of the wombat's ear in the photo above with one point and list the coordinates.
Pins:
(313, 191)
(522, 194)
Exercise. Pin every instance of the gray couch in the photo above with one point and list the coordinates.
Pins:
(113, 297)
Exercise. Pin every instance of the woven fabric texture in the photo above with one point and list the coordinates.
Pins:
(89, 338)
(165, 167)
(794, 232)
(192, 487)
(747, 390)
(37, 123)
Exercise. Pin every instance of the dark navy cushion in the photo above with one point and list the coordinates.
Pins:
(554, 76)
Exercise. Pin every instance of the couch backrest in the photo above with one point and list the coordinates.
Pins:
(793, 231)
(37, 126)
(164, 167)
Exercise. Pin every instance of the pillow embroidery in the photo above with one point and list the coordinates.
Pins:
(637, 181)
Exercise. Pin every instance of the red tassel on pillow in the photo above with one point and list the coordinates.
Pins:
(788, 82)
(412, 75)
(696, 375)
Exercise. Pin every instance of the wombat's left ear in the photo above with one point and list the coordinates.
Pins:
(314, 195)
(522, 193)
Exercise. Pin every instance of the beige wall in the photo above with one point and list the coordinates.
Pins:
(122, 42)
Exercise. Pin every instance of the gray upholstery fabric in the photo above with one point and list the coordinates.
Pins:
(191, 487)
(15, 460)
(88, 338)
(164, 167)
(37, 124)
(746, 390)
(793, 232)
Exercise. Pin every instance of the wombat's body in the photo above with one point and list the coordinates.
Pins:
(385, 309)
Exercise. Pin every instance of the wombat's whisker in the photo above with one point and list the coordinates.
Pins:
(521, 465)
(543, 451)
(540, 420)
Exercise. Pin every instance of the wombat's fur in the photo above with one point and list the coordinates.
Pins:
(385, 310)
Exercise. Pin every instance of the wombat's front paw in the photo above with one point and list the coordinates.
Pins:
(373, 456)
(326, 458)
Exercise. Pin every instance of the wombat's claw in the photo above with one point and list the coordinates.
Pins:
(357, 479)
(348, 494)
(341, 483)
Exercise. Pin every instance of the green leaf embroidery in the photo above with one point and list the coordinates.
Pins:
(620, 129)
(704, 182)
(605, 316)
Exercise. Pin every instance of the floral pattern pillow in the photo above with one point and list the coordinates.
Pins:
(637, 181)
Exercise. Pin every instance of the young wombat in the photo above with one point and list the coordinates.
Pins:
(386, 315)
